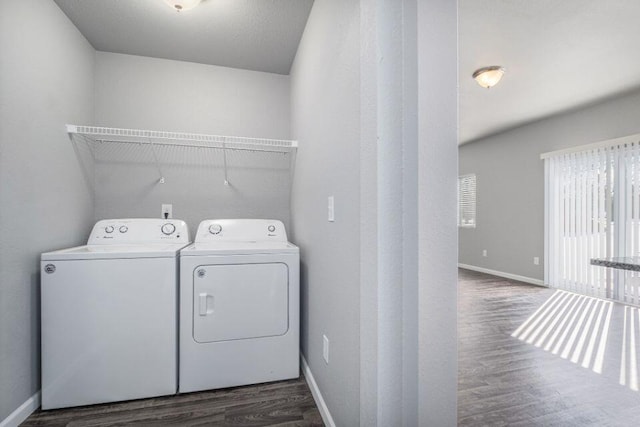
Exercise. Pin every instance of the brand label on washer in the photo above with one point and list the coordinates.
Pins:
(49, 268)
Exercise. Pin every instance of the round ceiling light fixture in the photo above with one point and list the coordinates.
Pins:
(182, 5)
(488, 77)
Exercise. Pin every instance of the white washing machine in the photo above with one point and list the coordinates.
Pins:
(239, 305)
(109, 314)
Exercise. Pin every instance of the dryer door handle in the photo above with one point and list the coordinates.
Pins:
(206, 304)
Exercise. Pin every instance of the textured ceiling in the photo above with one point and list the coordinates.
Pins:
(559, 55)
(260, 35)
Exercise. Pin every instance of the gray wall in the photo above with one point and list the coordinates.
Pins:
(46, 80)
(380, 281)
(436, 182)
(510, 182)
(148, 93)
(325, 118)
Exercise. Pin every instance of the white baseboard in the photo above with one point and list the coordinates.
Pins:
(22, 413)
(525, 279)
(317, 396)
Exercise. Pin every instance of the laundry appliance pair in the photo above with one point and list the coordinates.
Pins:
(138, 312)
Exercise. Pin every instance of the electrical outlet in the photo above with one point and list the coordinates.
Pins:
(484, 252)
(330, 209)
(167, 211)
(536, 260)
(325, 349)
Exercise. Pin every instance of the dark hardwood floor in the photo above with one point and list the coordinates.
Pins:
(284, 403)
(528, 356)
(531, 356)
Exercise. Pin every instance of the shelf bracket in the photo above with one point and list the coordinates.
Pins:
(155, 158)
(224, 155)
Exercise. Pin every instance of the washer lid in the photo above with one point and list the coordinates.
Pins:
(114, 252)
(239, 248)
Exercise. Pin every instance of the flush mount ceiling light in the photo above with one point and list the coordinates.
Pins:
(182, 5)
(488, 76)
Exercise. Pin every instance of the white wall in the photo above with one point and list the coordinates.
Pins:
(325, 81)
(510, 182)
(46, 80)
(381, 280)
(158, 94)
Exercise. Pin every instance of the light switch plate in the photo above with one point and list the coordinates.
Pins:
(325, 349)
(330, 209)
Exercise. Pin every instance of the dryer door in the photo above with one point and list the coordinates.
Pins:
(240, 301)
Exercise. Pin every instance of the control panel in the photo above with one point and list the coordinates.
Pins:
(241, 230)
(139, 231)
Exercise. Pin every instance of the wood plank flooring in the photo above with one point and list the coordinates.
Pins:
(528, 356)
(549, 373)
(283, 403)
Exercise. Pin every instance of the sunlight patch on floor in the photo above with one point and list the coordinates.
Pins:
(573, 326)
(629, 353)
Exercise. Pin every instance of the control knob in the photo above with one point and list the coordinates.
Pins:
(271, 228)
(108, 229)
(168, 229)
(124, 229)
(215, 228)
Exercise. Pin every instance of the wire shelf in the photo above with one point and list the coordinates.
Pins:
(138, 136)
(181, 139)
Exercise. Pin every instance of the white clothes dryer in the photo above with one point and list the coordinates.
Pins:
(109, 314)
(239, 305)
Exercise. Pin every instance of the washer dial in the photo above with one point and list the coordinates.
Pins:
(123, 229)
(215, 228)
(108, 229)
(271, 228)
(168, 229)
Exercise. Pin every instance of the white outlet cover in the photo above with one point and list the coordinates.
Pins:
(166, 208)
(536, 260)
(484, 252)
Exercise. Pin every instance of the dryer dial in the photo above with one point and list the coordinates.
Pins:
(168, 229)
(108, 229)
(215, 228)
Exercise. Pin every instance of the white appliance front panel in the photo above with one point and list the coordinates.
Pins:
(109, 330)
(230, 363)
(234, 302)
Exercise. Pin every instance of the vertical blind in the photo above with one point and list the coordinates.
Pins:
(467, 200)
(592, 210)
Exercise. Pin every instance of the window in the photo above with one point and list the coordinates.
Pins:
(467, 201)
(592, 210)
